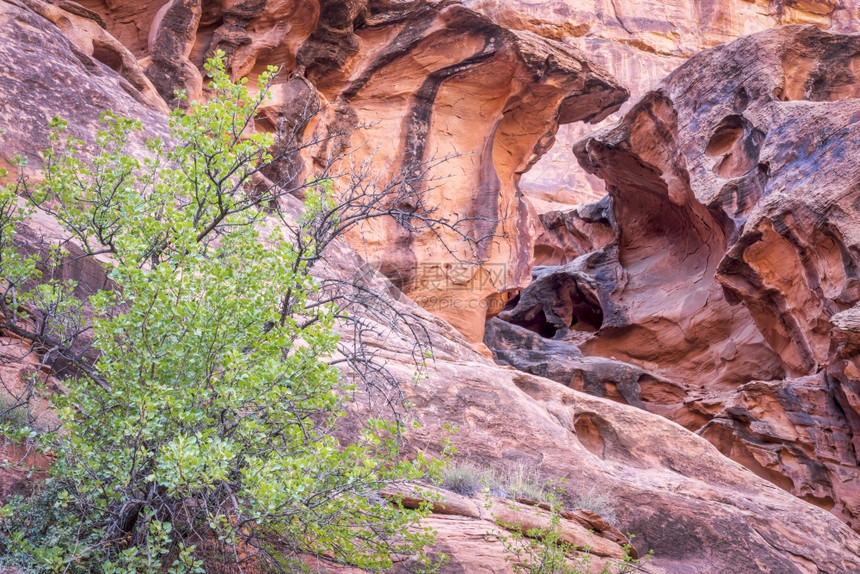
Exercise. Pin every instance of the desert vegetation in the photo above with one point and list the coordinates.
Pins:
(197, 427)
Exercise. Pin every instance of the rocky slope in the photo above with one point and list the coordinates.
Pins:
(473, 530)
(697, 510)
(707, 289)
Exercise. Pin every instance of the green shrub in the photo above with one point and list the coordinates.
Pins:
(203, 436)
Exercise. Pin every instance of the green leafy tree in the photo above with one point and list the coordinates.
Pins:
(202, 437)
(15, 415)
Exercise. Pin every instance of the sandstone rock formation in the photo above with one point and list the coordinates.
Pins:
(698, 510)
(421, 71)
(567, 234)
(433, 84)
(57, 62)
(640, 42)
(461, 520)
(734, 247)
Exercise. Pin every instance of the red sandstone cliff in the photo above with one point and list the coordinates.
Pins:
(640, 43)
(724, 299)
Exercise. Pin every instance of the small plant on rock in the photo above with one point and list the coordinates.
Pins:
(543, 550)
(598, 501)
(517, 480)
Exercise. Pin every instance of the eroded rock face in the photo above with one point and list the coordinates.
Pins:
(640, 43)
(699, 511)
(518, 87)
(492, 80)
(794, 263)
(433, 83)
(567, 234)
(795, 434)
(57, 62)
(772, 151)
(733, 270)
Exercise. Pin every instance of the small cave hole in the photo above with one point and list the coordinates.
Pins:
(402, 277)
(742, 100)
(739, 145)
(538, 324)
(779, 94)
(727, 133)
(512, 303)
(203, 38)
(817, 89)
(108, 55)
(826, 502)
(586, 317)
(585, 311)
(587, 427)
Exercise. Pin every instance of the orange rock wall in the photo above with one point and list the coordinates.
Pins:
(498, 88)
(640, 43)
(427, 82)
(725, 299)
